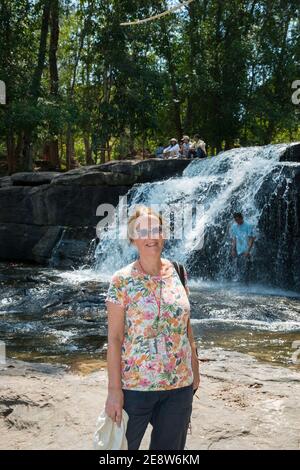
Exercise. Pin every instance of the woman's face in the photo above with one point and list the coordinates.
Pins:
(148, 236)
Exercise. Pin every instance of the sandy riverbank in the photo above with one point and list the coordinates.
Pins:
(243, 404)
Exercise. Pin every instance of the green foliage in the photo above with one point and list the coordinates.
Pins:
(221, 68)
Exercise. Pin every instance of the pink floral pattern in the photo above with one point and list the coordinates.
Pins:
(141, 368)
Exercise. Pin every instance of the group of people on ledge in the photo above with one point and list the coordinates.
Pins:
(185, 148)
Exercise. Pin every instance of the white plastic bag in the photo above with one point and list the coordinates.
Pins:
(108, 435)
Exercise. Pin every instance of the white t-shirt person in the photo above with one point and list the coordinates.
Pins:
(172, 151)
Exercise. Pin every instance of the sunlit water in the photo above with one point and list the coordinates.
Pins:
(52, 315)
(58, 316)
(199, 204)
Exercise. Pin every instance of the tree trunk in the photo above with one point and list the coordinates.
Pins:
(216, 74)
(167, 50)
(70, 150)
(102, 155)
(36, 83)
(10, 149)
(195, 16)
(54, 35)
(88, 150)
(19, 148)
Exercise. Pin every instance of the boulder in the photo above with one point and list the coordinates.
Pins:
(33, 220)
(42, 250)
(50, 216)
(122, 173)
(152, 169)
(33, 178)
(292, 153)
(279, 228)
(19, 240)
(5, 182)
(74, 247)
(94, 178)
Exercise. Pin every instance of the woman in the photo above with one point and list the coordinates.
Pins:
(152, 357)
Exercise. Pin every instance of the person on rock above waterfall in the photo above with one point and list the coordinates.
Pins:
(172, 151)
(185, 146)
(242, 236)
(197, 148)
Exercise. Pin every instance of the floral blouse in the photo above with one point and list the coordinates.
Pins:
(156, 352)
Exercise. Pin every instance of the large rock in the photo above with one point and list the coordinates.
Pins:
(43, 250)
(33, 179)
(51, 217)
(75, 247)
(279, 226)
(95, 178)
(61, 205)
(292, 154)
(5, 182)
(34, 219)
(18, 242)
(124, 172)
(151, 169)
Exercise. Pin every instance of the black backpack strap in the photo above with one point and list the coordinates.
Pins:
(180, 271)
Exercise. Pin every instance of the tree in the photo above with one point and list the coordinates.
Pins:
(82, 89)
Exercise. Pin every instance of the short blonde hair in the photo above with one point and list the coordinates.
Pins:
(140, 211)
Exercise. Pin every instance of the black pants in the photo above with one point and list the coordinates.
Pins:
(168, 411)
(243, 268)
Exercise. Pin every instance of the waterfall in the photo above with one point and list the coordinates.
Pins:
(243, 180)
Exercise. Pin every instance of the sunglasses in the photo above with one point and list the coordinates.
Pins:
(144, 232)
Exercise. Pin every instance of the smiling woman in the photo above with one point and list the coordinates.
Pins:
(152, 361)
(144, 224)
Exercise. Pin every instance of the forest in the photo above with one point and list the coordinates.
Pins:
(82, 89)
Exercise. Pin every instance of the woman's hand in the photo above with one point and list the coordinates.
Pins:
(194, 361)
(115, 397)
(196, 373)
(114, 405)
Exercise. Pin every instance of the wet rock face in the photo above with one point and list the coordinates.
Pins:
(40, 210)
(33, 220)
(23, 242)
(33, 179)
(276, 253)
(122, 173)
(280, 228)
(292, 154)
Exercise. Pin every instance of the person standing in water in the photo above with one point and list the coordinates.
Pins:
(242, 238)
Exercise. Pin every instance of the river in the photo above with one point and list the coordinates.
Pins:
(50, 315)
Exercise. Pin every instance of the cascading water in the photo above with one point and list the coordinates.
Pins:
(235, 180)
(60, 314)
